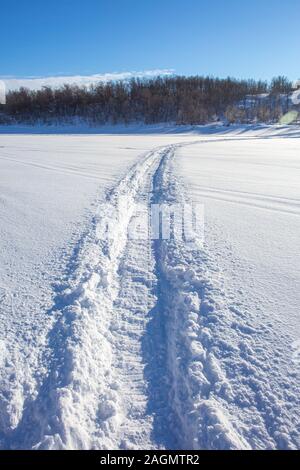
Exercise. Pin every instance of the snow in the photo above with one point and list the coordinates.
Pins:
(48, 187)
(252, 204)
(130, 342)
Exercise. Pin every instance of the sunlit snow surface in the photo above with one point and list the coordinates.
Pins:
(140, 344)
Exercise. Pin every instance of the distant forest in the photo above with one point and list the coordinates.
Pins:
(182, 100)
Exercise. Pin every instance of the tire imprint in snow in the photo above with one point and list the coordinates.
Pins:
(185, 288)
(171, 375)
(276, 204)
(68, 403)
(171, 369)
(139, 343)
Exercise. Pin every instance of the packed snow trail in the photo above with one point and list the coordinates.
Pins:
(140, 339)
(125, 368)
(187, 283)
(77, 405)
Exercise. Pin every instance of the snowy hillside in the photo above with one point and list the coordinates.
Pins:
(134, 342)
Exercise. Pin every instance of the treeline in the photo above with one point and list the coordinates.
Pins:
(184, 100)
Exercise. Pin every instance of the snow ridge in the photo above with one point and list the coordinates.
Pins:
(77, 394)
(132, 359)
(187, 285)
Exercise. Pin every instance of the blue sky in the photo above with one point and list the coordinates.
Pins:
(257, 38)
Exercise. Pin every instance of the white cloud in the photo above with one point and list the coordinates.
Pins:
(34, 83)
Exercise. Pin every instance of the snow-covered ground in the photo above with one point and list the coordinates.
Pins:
(143, 343)
(251, 194)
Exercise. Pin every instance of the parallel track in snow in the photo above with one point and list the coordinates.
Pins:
(82, 402)
(132, 362)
